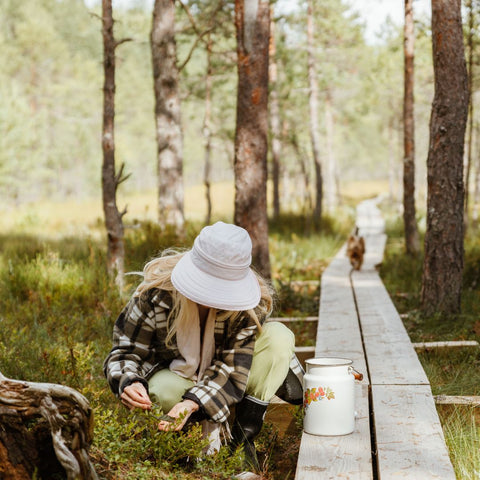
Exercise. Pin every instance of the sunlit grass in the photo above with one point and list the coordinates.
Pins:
(85, 217)
(461, 426)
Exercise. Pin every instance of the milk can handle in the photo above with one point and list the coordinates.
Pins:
(357, 375)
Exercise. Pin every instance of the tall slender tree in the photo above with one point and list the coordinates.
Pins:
(167, 116)
(252, 22)
(111, 179)
(313, 110)
(412, 241)
(207, 129)
(276, 147)
(470, 50)
(331, 184)
(444, 249)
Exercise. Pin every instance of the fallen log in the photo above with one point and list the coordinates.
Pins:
(45, 432)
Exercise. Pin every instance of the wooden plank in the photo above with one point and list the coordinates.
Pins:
(460, 343)
(369, 219)
(292, 319)
(391, 357)
(348, 456)
(338, 332)
(374, 249)
(409, 436)
(457, 400)
(305, 349)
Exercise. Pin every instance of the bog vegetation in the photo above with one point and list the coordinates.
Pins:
(57, 313)
(58, 307)
(57, 304)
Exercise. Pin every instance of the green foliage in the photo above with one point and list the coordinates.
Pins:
(462, 434)
(121, 436)
(57, 311)
(453, 371)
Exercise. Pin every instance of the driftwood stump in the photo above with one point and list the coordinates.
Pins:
(45, 432)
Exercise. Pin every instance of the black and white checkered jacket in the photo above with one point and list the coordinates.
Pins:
(139, 350)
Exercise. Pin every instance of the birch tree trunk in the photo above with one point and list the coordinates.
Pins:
(110, 179)
(314, 126)
(412, 241)
(167, 116)
(274, 122)
(444, 249)
(331, 191)
(207, 131)
(252, 21)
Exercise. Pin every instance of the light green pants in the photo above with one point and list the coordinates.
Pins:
(274, 348)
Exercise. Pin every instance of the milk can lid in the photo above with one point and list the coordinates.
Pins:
(329, 362)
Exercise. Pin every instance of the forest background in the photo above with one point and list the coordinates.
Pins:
(51, 80)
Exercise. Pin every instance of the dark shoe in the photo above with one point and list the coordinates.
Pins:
(291, 390)
(249, 415)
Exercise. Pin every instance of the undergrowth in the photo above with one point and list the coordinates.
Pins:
(57, 311)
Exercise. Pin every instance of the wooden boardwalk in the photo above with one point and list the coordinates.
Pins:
(398, 432)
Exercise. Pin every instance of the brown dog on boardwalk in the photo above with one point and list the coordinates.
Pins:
(356, 250)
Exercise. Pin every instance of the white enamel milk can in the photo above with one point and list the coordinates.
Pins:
(329, 396)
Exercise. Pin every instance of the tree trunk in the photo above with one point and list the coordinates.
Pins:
(444, 250)
(207, 131)
(471, 32)
(307, 199)
(392, 171)
(476, 181)
(167, 116)
(331, 192)
(45, 432)
(412, 242)
(274, 123)
(314, 129)
(252, 21)
(110, 180)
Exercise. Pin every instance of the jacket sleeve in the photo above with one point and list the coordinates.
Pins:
(225, 381)
(132, 355)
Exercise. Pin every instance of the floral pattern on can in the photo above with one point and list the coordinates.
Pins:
(317, 394)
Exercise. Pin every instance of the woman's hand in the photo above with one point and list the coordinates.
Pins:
(179, 414)
(135, 395)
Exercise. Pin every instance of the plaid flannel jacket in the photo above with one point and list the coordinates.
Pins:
(139, 351)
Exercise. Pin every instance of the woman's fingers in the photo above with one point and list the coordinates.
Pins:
(136, 395)
(177, 416)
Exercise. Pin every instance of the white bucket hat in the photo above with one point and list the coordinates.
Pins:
(216, 271)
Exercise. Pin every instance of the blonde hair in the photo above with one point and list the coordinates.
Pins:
(157, 274)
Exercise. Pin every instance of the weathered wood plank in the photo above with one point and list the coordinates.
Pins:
(409, 437)
(391, 357)
(457, 400)
(347, 456)
(460, 343)
(369, 218)
(358, 320)
(292, 319)
(338, 332)
(374, 249)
